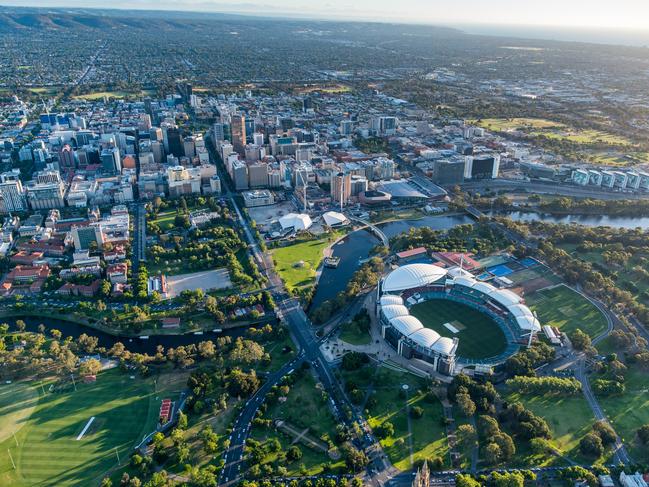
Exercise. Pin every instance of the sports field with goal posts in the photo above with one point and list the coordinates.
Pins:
(47, 430)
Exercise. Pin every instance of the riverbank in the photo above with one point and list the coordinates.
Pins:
(121, 333)
(591, 220)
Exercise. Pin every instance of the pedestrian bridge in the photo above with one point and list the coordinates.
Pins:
(374, 229)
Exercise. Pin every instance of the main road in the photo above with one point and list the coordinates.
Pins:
(290, 311)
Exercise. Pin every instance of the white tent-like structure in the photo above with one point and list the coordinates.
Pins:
(335, 219)
(296, 221)
(412, 276)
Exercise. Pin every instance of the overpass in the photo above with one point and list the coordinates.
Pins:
(374, 229)
(474, 212)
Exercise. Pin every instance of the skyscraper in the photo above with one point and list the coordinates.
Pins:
(341, 188)
(238, 132)
(111, 160)
(175, 142)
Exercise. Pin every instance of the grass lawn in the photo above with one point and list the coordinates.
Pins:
(304, 409)
(569, 419)
(98, 95)
(17, 402)
(481, 336)
(165, 220)
(297, 264)
(510, 124)
(49, 453)
(427, 435)
(629, 411)
(567, 310)
(351, 334)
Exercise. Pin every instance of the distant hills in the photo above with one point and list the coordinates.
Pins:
(24, 19)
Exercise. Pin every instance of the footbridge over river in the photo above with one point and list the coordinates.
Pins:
(372, 228)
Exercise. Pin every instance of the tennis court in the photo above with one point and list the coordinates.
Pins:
(501, 270)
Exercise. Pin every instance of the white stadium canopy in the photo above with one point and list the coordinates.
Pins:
(394, 310)
(406, 325)
(444, 345)
(505, 297)
(389, 299)
(425, 337)
(411, 276)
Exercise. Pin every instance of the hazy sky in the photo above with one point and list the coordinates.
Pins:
(613, 14)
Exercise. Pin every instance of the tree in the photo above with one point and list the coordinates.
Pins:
(508, 479)
(492, 454)
(90, 367)
(384, 430)
(294, 454)
(355, 459)
(466, 435)
(21, 325)
(605, 432)
(579, 340)
(106, 482)
(466, 404)
(643, 434)
(416, 412)
(463, 480)
(591, 445)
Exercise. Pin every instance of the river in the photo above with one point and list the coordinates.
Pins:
(587, 220)
(357, 246)
(136, 345)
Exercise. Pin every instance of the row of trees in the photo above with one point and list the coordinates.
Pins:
(545, 385)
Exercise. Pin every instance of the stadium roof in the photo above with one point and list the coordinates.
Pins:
(406, 325)
(389, 299)
(400, 189)
(394, 310)
(444, 345)
(527, 322)
(505, 297)
(295, 221)
(465, 281)
(333, 218)
(484, 288)
(455, 272)
(411, 276)
(425, 337)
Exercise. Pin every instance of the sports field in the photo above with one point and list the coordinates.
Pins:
(48, 452)
(480, 337)
(568, 310)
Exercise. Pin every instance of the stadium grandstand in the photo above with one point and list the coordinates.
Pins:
(413, 284)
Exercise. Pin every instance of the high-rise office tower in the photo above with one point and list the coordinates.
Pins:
(341, 188)
(238, 132)
(111, 161)
(175, 142)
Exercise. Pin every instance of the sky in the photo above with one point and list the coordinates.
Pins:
(608, 14)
